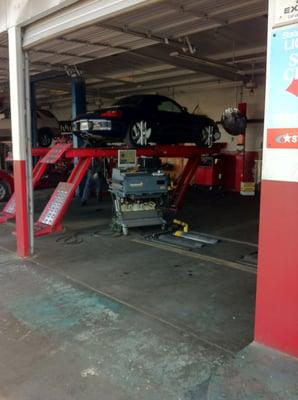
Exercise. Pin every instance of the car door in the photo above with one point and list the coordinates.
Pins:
(174, 126)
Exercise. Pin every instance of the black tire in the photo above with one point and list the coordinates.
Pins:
(45, 137)
(204, 139)
(4, 191)
(138, 134)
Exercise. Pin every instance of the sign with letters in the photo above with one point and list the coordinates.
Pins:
(282, 116)
(286, 11)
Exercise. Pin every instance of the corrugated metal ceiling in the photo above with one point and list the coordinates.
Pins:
(110, 54)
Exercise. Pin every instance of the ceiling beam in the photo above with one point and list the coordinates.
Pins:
(207, 66)
(99, 45)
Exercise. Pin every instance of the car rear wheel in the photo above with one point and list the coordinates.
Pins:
(45, 137)
(138, 134)
(4, 191)
(206, 137)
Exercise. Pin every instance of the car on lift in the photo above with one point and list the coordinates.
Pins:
(143, 119)
(47, 127)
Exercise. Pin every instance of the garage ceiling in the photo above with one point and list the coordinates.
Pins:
(166, 44)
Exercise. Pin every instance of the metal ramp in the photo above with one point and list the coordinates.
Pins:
(53, 213)
(53, 155)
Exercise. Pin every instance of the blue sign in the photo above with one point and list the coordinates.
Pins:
(283, 81)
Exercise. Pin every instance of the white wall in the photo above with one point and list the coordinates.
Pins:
(62, 114)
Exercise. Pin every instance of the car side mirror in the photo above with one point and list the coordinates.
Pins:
(185, 109)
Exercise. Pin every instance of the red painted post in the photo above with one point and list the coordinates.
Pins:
(243, 109)
(277, 287)
(22, 231)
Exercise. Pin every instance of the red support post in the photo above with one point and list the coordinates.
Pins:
(276, 323)
(22, 232)
(184, 181)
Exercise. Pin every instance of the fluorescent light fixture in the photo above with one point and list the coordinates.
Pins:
(205, 61)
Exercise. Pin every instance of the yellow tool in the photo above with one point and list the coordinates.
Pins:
(184, 226)
(192, 235)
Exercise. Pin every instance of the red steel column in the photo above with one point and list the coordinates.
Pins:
(276, 323)
(17, 110)
(277, 288)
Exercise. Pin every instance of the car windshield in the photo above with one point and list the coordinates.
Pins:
(129, 101)
(159, 103)
(46, 113)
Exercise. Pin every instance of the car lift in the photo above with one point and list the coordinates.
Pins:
(53, 213)
(49, 157)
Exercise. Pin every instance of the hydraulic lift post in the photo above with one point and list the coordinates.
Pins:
(78, 106)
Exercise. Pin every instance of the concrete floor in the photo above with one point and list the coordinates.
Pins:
(93, 316)
(256, 372)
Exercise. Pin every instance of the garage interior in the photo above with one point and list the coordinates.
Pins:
(97, 314)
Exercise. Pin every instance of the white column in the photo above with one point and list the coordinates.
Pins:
(17, 93)
(18, 128)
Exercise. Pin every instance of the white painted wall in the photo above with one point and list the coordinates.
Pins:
(213, 102)
(62, 114)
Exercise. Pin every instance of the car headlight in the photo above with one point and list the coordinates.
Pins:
(86, 125)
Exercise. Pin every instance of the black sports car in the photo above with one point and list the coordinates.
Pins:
(143, 119)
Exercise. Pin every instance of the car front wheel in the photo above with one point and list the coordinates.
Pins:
(45, 137)
(138, 134)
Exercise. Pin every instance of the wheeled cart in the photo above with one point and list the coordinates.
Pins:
(139, 198)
